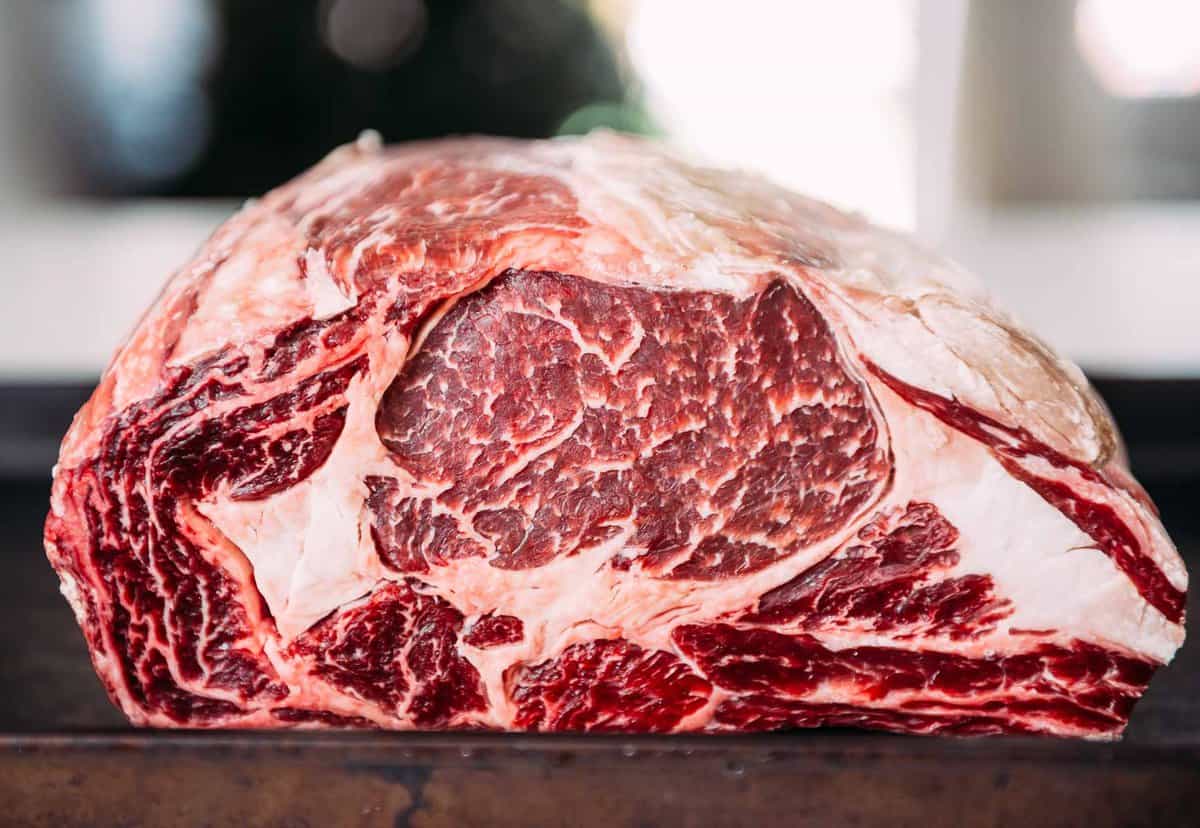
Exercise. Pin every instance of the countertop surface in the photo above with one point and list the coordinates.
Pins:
(68, 758)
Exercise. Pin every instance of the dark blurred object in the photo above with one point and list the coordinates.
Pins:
(290, 82)
(231, 97)
(1159, 423)
(33, 419)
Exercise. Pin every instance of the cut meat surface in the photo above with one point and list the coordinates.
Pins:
(573, 435)
(888, 579)
(607, 685)
(550, 415)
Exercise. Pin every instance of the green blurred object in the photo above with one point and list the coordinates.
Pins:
(622, 117)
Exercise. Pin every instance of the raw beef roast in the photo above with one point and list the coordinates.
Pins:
(571, 435)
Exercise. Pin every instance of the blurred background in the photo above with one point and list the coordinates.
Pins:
(1053, 146)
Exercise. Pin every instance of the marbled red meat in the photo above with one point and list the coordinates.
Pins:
(551, 414)
(573, 435)
(608, 685)
(888, 579)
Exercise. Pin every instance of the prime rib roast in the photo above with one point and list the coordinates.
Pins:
(572, 435)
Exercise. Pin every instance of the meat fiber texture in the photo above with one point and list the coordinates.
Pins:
(573, 435)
